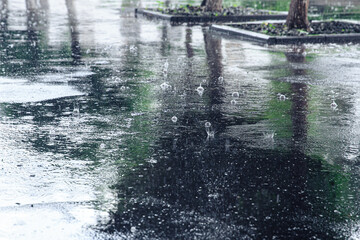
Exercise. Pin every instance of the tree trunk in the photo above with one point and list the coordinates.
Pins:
(44, 4)
(298, 15)
(31, 4)
(213, 5)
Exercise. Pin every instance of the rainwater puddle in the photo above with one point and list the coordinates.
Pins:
(116, 127)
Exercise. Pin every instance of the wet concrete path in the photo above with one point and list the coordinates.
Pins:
(116, 127)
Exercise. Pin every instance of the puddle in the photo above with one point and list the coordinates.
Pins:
(124, 128)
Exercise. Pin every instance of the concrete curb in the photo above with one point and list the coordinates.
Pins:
(199, 19)
(266, 39)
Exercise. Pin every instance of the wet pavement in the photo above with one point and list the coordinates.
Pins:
(116, 127)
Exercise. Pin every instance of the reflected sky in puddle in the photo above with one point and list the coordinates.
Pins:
(89, 142)
(20, 91)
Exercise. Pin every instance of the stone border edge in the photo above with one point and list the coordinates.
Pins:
(272, 40)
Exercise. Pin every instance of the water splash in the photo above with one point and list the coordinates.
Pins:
(200, 90)
(133, 49)
(164, 86)
(209, 131)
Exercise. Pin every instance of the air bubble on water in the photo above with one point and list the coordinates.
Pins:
(281, 97)
(207, 124)
(133, 229)
(122, 88)
(233, 102)
(174, 119)
(235, 94)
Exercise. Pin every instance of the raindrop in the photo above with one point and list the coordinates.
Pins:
(200, 90)
(255, 79)
(235, 94)
(174, 119)
(207, 124)
(233, 102)
(122, 88)
(133, 229)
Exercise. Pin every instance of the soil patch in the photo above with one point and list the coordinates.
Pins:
(197, 11)
(317, 28)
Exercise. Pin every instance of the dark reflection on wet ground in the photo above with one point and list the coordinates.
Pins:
(106, 135)
(196, 187)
